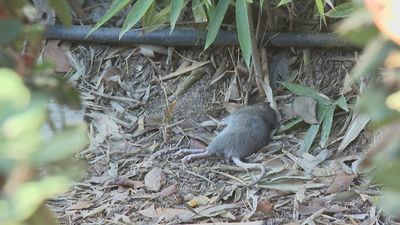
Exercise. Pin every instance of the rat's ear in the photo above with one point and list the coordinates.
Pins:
(264, 105)
(232, 107)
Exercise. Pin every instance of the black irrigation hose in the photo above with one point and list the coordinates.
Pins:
(190, 37)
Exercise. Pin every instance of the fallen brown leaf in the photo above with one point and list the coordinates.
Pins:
(127, 183)
(341, 182)
(265, 206)
(54, 53)
(167, 191)
(306, 107)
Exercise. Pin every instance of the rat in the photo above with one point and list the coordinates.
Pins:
(247, 131)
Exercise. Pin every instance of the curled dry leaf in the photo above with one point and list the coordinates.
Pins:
(167, 191)
(305, 107)
(341, 182)
(154, 179)
(357, 125)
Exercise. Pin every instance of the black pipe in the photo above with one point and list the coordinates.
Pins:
(190, 37)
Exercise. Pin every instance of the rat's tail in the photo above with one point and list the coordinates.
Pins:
(244, 165)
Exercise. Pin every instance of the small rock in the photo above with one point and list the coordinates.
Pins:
(154, 179)
(188, 197)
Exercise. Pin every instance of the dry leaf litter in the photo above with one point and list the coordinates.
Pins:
(143, 104)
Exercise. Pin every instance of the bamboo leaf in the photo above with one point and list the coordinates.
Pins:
(303, 90)
(176, 8)
(154, 19)
(283, 2)
(136, 13)
(63, 11)
(198, 11)
(342, 103)
(289, 125)
(327, 125)
(243, 29)
(215, 21)
(320, 8)
(341, 11)
(309, 138)
(116, 7)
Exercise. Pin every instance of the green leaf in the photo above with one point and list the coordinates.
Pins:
(309, 138)
(374, 54)
(29, 196)
(303, 90)
(243, 29)
(341, 11)
(320, 8)
(289, 125)
(216, 21)
(12, 89)
(62, 145)
(389, 201)
(9, 30)
(136, 13)
(116, 7)
(387, 175)
(342, 103)
(176, 8)
(283, 2)
(261, 5)
(154, 19)
(63, 11)
(373, 103)
(43, 213)
(358, 28)
(198, 11)
(327, 125)
(147, 18)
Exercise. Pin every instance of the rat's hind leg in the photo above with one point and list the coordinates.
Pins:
(239, 163)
